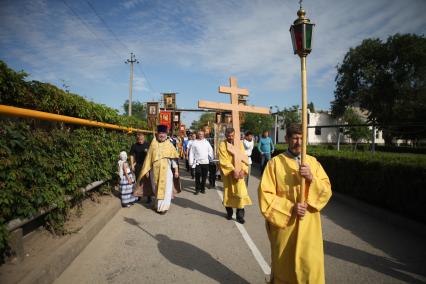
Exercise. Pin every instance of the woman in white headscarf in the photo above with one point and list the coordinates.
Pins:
(126, 181)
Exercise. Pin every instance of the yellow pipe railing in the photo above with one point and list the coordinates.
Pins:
(28, 113)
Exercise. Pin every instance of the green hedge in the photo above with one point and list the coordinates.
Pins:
(15, 91)
(43, 162)
(394, 181)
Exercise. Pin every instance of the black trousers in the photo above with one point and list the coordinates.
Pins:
(212, 174)
(240, 212)
(200, 177)
(138, 168)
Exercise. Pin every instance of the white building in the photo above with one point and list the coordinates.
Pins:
(327, 134)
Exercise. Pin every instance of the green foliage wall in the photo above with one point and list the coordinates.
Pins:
(43, 162)
(397, 187)
(394, 181)
(15, 91)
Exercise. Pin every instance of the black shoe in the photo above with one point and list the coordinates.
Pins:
(196, 193)
(203, 191)
(229, 212)
(241, 220)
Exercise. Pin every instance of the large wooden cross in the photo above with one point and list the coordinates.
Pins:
(235, 108)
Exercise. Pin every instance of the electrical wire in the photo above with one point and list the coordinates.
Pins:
(88, 28)
(106, 26)
(117, 39)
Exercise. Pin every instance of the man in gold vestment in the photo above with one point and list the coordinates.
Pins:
(161, 164)
(235, 193)
(294, 229)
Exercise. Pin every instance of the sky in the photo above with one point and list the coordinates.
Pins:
(192, 47)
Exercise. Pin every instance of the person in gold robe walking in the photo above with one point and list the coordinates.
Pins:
(161, 164)
(294, 229)
(235, 193)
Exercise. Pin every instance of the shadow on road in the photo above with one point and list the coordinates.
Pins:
(407, 249)
(186, 203)
(191, 257)
(375, 262)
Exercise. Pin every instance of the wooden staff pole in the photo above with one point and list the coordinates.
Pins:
(304, 126)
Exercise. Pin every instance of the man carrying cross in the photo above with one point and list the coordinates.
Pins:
(232, 158)
(235, 193)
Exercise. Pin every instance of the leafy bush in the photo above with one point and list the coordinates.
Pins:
(395, 181)
(15, 91)
(41, 163)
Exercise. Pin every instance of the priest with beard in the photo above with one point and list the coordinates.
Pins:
(161, 164)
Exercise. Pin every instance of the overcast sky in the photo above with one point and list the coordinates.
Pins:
(192, 47)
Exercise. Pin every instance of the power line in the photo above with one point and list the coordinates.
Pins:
(116, 37)
(106, 25)
(149, 84)
(88, 28)
(101, 40)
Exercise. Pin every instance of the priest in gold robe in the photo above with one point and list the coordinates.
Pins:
(162, 166)
(235, 193)
(294, 229)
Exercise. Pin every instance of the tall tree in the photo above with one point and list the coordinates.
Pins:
(138, 109)
(388, 80)
(257, 123)
(356, 133)
(290, 115)
(311, 107)
(205, 118)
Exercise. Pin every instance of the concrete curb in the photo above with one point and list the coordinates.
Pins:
(382, 214)
(52, 267)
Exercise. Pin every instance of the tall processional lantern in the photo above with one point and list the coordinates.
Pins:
(301, 36)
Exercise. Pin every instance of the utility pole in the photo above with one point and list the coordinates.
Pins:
(131, 61)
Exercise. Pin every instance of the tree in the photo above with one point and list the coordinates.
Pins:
(311, 107)
(205, 119)
(138, 109)
(356, 133)
(388, 80)
(290, 115)
(257, 123)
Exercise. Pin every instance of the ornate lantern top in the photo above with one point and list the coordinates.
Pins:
(301, 33)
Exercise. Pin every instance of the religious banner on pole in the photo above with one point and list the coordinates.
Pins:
(176, 120)
(182, 129)
(218, 117)
(152, 113)
(166, 118)
(169, 100)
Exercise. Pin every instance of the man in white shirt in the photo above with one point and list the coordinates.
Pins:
(188, 150)
(201, 152)
(248, 147)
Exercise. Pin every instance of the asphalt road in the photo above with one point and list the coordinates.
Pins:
(194, 243)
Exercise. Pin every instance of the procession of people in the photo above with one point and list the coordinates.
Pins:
(153, 173)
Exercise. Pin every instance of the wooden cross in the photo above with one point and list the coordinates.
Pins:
(235, 108)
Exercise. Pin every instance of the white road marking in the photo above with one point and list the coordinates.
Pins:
(256, 253)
